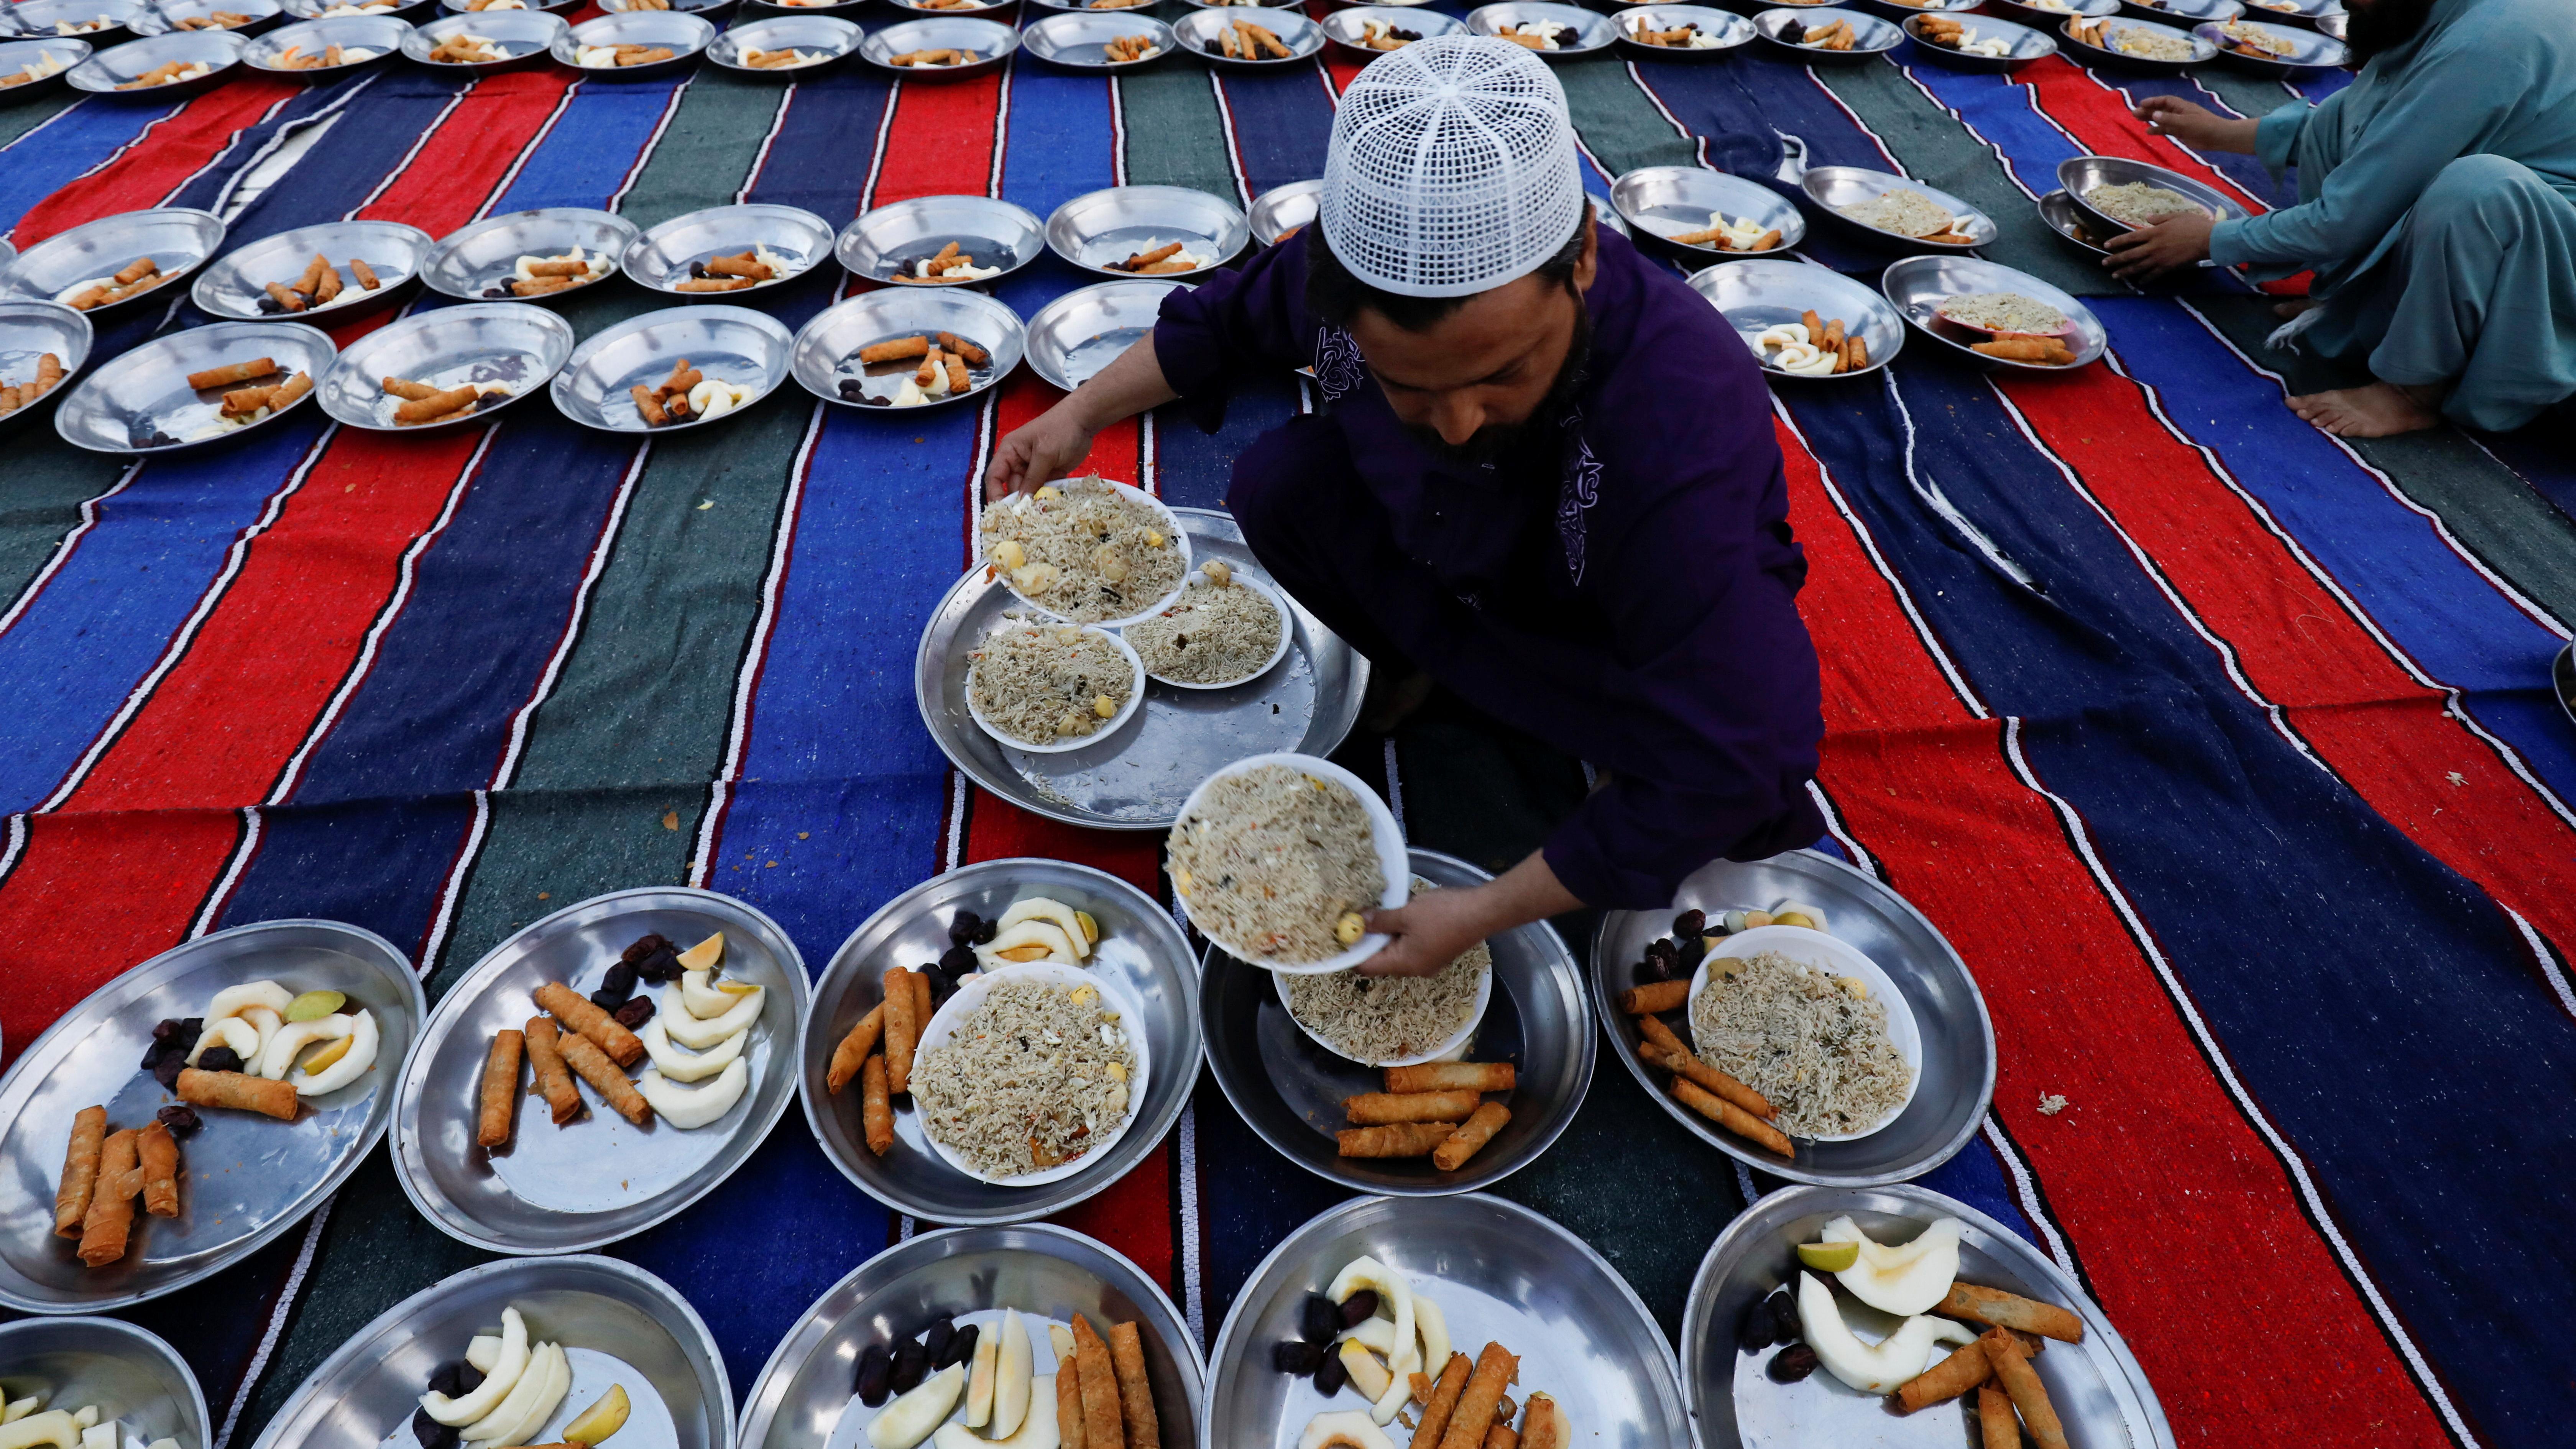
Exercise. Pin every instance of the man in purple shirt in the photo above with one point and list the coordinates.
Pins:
(1542, 470)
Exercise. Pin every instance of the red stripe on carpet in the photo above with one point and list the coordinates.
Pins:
(2150, 1148)
(941, 142)
(1134, 1216)
(2100, 122)
(1114, 449)
(160, 162)
(2389, 738)
(458, 169)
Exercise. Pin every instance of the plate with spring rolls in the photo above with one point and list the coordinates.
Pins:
(1074, 1345)
(1896, 1318)
(127, 1380)
(191, 388)
(1464, 1314)
(1439, 1085)
(1695, 1013)
(545, 255)
(561, 1351)
(450, 368)
(43, 346)
(337, 269)
(600, 1070)
(160, 1080)
(116, 261)
(1994, 315)
(892, 1082)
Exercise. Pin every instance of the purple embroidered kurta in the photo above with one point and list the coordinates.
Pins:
(1623, 588)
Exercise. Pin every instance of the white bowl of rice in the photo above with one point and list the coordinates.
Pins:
(1260, 829)
(1373, 1020)
(1801, 1004)
(1025, 1081)
(1195, 619)
(1017, 686)
(1091, 550)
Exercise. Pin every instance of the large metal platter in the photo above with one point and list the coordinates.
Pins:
(2079, 175)
(2099, 1391)
(139, 402)
(1139, 944)
(1500, 1273)
(1958, 1039)
(1289, 1087)
(598, 1178)
(619, 1325)
(1137, 779)
(92, 1055)
(803, 1398)
(130, 1374)
(1917, 286)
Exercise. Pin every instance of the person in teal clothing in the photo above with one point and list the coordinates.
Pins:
(2437, 212)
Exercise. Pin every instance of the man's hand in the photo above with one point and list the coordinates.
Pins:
(2152, 251)
(1437, 927)
(2195, 126)
(1048, 447)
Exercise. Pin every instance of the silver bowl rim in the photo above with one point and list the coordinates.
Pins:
(296, 23)
(1965, 208)
(740, 27)
(198, 291)
(1590, 18)
(1447, 24)
(626, 257)
(417, 320)
(84, 76)
(849, 235)
(1696, 1305)
(1876, 361)
(800, 996)
(1639, 7)
(1266, 205)
(141, 351)
(2029, 14)
(454, 239)
(88, 333)
(1140, 15)
(359, 1343)
(1006, 32)
(2061, 194)
(144, 1340)
(428, 32)
(758, 320)
(330, 1182)
(1147, 908)
(1858, 52)
(2217, 11)
(1608, 1011)
(1064, 303)
(571, 37)
(861, 301)
(1191, 193)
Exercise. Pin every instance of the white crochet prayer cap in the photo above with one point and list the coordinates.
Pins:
(1452, 168)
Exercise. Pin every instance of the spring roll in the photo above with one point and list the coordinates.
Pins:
(902, 1029)
(958, 381)
(2021, 1381)
(1453, 1077)
(585, 1058)
(136, 271)
(1443, 1402)
(1855, 353)
(1545, 1426)
(876, 1107)
(1731, 1117)
(311, 280)
(231, 373)
(408, 390)
(921, 1007)
(111, 1200)
(1372, 1109)
(1710, 1079)
(1995, 1307)
(2025, 349)
(1659, 997)
(895, 351)
(1766, 241)
(80, 1171)
(49, 373)
(1652, 1028)
(1068, 1402)
(546, 1064)
(1815, 324)
(854, 1049)
(500, 1089)
(1402, 1139)
(330, 285)
(1963, 1370)
(543, 286)
(747, 264)
(1501, 1437)
(572, 1009)
(286, 297)
(560, 268)
(1996, 1426)
(928, 372)
(1162, 253)
(713, 284)
(1103, 1427)
(435, 406)
(156, 1153)
(358, 268)
(1495, 1370)
(1135, 1391)
(1832, 341)
(243, 401)
(682, 378)
(235, 1089)
(974, 355)
(1471, 1136)
(648, 405)
(288, 391)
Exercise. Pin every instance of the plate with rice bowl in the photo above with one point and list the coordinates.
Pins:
(1085, 581)
(973, 993)
(1452, 1045)
(1199, 899)
(1840, 960)
(1203, 582)
(1105, 726)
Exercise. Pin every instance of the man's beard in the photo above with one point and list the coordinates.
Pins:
(2377, 25)
(1495, 441)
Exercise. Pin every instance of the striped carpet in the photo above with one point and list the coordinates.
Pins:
(2221, 749)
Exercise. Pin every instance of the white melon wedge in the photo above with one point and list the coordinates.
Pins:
(1014, 1369)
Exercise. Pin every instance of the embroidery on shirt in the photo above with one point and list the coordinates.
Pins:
(1338, 366)
(1581, 489)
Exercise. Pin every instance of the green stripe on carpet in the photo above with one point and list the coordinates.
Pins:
(1619, 125)
(708, 150)
(1928, 141)
(1172, 131)
(18, 120)
(2485, 504)
(2246, 95)
(49, 480)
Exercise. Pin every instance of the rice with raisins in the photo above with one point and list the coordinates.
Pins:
(1214, 634)
(1084, 549)
(1379, 1019)
(1034, 1077)
(1042, 683)
(1272, 859)
(1800, 1038)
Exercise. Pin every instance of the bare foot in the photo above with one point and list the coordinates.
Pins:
(2296, 305)
(2376, 411)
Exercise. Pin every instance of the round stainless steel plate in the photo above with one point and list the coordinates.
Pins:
(1666, 201)
(1139, 945)
(1137, 779)
(509, 342)
(729, 344)
(18, 52)
(1917, 285)
(2307, 49)
(140, 402)
(1829, 188)
(109, 71)
(2058, 210)
(2051, 19)
(1349, 28)
(1100, 227)
(832, 38)
(1283, 209)
(1730, 29)
(2078, 175)
(2183, 12)
(176, 238)
(472, 260)
(892, 238)
(1075, 39)
(28, 330)
(91, 1056)
(683, 34)
(1591, 30)
(2100, 1394)
(130, 1374)
(1199, 32)
(989, 41)
(1958, 1039)
(1289, 1087)
(1083, 331)
(618, 1324)
(1756, 295)
(2085, 53)
(235, 285)
(803, 1393)
(1500, 1273)
(660, 259)
(380, 33)
(2022, 45)
(598, 1178)
(1871, 36)
(525, 38)
(827, 350)
(130, 18)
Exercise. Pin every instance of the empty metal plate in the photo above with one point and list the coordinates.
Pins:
(141, 402)
(28, 330)
(2101, 1396)
(474, 261)
(599, 1177)
(176, 238)
(128, 1373)
(1084, 330)
(727, 344)
(1917, 286)
(1140, 947)
(663, 258)
(1958, 1075)
(1138, 779)
(509, 343)
(1758, 295)
(236, 285)
(245, 1179)
(826, 359)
